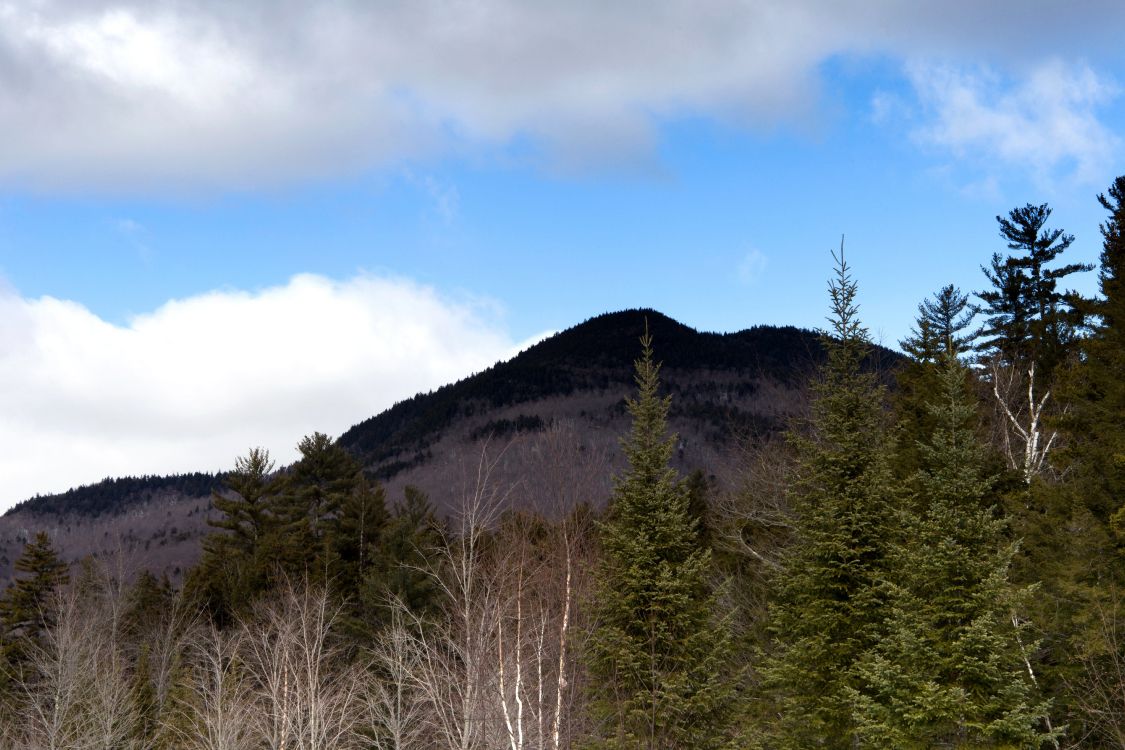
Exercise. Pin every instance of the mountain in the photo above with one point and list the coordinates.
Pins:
(547, 422)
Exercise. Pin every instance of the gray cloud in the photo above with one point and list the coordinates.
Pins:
(139, 95)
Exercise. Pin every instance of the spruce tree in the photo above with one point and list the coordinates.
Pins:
(950, 670)
(1095, 389)
(1085, 558)
(828, 608)
(356, 535)
(27, 606)
(939, 330)
(659, 657)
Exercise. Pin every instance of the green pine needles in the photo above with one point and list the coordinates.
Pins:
(895, 624)
(951, 668)
(660, 657)
(829, 601)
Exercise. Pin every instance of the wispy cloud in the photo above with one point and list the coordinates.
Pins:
(444, 198)
(1045, 125)
(192, 385)
(136, 235)
(752, 266)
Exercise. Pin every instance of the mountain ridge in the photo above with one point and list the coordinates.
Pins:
(724, 385)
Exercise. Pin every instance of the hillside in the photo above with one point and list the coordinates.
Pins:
(564, 395)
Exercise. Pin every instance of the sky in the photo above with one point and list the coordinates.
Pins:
(230, 224)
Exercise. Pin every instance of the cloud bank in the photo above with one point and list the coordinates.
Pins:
(197, 382)
(137, 95)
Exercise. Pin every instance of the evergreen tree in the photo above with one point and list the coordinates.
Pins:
(234, 568)
(939, 327)
(27, 607)
(1030, 330)
(950, 671)
(1027, 318)
(938, 331)
(1084, 550)
(243, 506)
(659, 658)
(306, 510)
(829, 602)
(399, 567)
(355, 536)
(1095, 389)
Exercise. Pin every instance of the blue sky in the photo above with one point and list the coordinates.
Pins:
(230, 224)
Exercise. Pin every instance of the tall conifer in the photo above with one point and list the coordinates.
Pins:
(26, 607)
(829, 601)
(950, 670)
(1086, 556)
(659, 657)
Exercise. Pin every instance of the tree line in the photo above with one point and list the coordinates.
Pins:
(930, 562)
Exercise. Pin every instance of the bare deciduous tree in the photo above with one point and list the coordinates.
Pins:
(1022, 405)
(395, 704)
(77, 693)
(307, 697)
(216, 711)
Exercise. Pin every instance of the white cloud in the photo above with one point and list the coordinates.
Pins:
(1045, 124)
(752, 266)
(131, 95)
(197, 382)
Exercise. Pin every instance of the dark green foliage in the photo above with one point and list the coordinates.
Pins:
(234, 568)
(27, 606)
(356, 535)
(937, 333)
(949, 671)
(502, 428)
(698, 506)
(116, 495)
(1095, 388)
(592, 356)
(399, 568)
(149, 600)
(1028, 319)
(304, 514)
(244, 505)
(659, 658)
(319, 484)
(830, 602)
(1084, 531)
(939, 326)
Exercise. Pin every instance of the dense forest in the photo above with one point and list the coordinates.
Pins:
(929, 557)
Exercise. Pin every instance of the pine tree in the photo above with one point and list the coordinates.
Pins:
(400, 568)
(243, 506)
(950, 670)
(1028, 318)
(659, 658)
(1030, 330)
(306, 510)
(27, 607)
(829, 602)
(356, 533)
(233, 569)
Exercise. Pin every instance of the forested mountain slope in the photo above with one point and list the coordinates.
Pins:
(565, 393)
